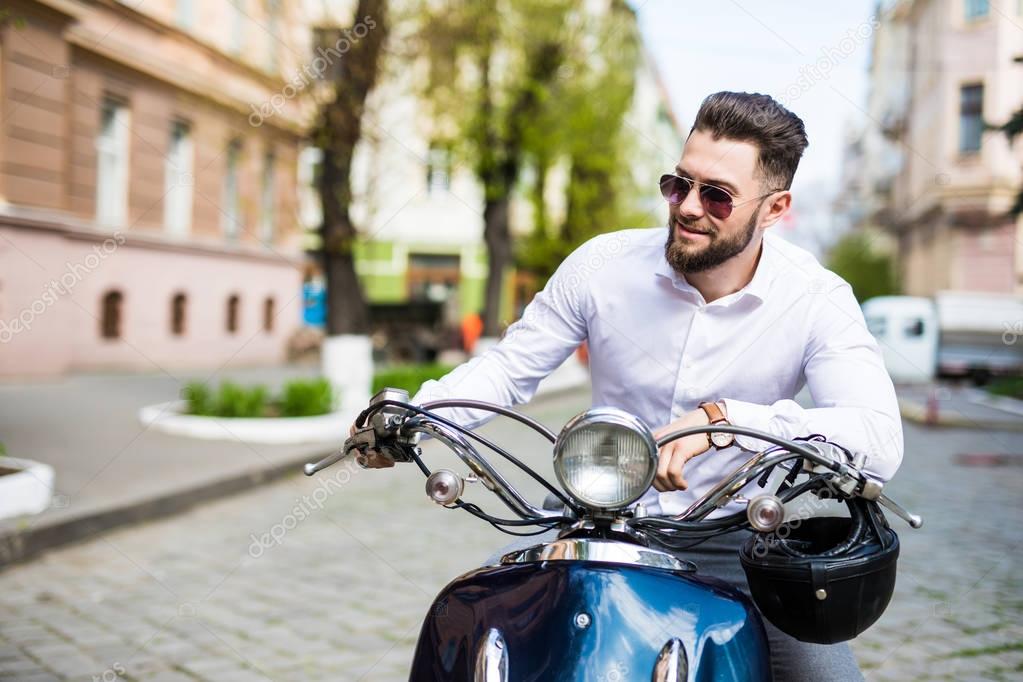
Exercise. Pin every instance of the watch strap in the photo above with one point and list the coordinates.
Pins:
(716, 415)
(714, 412)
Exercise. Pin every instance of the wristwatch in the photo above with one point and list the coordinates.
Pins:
(716, 415)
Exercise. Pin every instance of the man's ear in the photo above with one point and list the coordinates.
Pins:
(777, 206)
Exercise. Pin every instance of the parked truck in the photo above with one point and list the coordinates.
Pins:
(956, 334)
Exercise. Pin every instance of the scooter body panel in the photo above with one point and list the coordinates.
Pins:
(631, 612)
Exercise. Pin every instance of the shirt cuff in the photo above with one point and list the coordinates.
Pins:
(750, 415)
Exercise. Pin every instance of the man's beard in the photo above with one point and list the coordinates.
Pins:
(687, 257)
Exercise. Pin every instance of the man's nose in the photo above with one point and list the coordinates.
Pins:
(691, 206)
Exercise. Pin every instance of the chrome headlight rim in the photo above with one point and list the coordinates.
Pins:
(615, 417)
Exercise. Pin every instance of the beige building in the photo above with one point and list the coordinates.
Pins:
(147, 184)
(948, 201)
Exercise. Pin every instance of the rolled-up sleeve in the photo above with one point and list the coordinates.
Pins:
(551, 327)
(854, 399)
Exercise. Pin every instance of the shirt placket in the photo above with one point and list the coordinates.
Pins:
(685, 388)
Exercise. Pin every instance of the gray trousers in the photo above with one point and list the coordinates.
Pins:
(791, 660)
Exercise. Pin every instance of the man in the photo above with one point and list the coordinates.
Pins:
(712, 318)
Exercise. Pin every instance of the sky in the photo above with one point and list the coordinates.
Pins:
(812, 56)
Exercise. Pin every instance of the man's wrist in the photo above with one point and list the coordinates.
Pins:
(717, 414)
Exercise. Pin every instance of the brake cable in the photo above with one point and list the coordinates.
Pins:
(483, 441)
(494, 521)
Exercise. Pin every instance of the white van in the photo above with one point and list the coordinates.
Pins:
(906, 329)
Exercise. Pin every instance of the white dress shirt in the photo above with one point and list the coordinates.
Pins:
(657, 349)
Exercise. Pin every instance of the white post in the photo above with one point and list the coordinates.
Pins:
(347, 363)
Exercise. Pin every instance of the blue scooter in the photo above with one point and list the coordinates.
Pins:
(610, 599)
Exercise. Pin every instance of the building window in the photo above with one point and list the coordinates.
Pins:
(266, 203)
(273, 34)
(233, 305)
(310, 210)
(975, 9)
(230, 216)
(112, 164)
(179, 307)
(268, 314)
(438, 169)
(971, 121)
(432, 277)
(110, 319)
(178, 180)
(237, 37)
(185, 14)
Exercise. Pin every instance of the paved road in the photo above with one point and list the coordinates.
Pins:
(329, 578)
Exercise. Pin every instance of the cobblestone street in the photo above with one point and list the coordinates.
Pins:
(329, 578)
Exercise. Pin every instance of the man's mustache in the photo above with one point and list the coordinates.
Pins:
(693, 227)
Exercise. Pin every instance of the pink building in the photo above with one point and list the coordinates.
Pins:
(958, 179)
(147, 185)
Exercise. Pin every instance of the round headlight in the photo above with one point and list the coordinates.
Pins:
(605, 458)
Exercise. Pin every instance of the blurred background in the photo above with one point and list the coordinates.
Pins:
(224, 224)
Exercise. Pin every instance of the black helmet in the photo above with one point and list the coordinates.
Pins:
(827, 579)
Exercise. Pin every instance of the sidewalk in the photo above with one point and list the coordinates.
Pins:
(959, 406)
(111, 470)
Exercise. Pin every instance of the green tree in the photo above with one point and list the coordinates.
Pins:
(869, 271)
(494, 70)
(586, 125)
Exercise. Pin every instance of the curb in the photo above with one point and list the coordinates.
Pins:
(916, 413)
(18, 545)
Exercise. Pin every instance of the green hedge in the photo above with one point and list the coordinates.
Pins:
(408, 377)
(300, 398)
(1008, 386)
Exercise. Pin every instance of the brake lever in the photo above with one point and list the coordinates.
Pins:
(379, 445)
(868, 488)
(333, 458)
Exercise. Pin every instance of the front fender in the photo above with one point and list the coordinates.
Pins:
(631, 613)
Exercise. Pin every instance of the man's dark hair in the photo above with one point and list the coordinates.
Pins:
(778, 134)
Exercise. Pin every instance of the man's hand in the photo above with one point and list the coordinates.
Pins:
(672, 457)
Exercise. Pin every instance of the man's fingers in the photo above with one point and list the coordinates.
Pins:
(661, 478)
(675, 471)
(671, 463)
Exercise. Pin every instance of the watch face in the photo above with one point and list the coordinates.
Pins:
(722, 440)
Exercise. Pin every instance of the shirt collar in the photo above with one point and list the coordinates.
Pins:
(757, 286)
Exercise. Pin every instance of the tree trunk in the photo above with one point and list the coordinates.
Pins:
(337, 134)
(497, 236)
(501, 151)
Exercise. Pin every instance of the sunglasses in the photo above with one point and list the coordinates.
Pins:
(716, 202)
